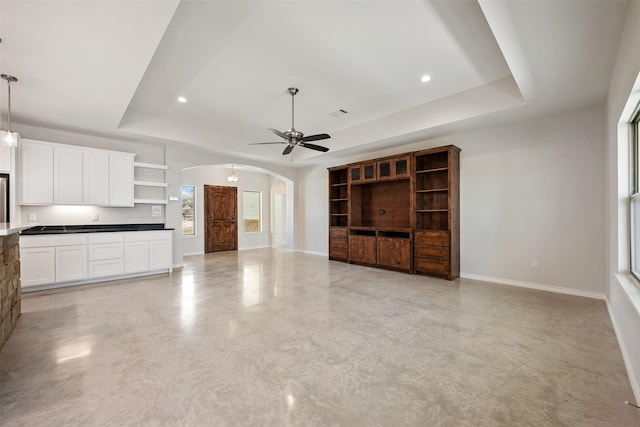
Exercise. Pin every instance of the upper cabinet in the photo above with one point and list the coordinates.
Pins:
(120, 179)
(394, 168)
(67, 175)
(6, 155)
(362, 173)
(59, 174)
(36, 173)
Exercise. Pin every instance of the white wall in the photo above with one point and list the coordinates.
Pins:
(530, 189)
(623, 294)
(247, 181)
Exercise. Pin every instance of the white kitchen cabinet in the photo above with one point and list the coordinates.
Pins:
(37, 266)
(95, 178)
(36, 173)
(67, 175)
(71, 263)
(6, 156)
(160, 254)
(121, 179)
(136, 256)
(53, 259)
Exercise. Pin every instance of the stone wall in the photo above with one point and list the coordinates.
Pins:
(9, 285)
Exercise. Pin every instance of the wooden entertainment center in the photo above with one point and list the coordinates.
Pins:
(399, 212)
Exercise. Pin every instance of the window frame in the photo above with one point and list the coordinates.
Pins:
(193, 209)
(244, 219)
(634, 190)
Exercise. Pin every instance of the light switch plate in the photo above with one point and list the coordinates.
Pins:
(156, 210)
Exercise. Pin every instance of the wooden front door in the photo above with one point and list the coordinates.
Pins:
(220, 218)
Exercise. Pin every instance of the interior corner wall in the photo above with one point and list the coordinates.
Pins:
(217, 175)
(529, 190)
(623, 294)
(312, 210)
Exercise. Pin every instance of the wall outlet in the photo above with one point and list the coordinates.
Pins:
(95, 217)
(33, 217)
(156, 210)
(534, 263)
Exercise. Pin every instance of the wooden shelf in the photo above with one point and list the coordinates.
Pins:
(432, 170)
(340, 184)
(432, 210)
(339, 200)
(150, 165)
(150, 183)
(434, 190)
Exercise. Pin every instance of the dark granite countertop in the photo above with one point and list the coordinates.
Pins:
(91, 228)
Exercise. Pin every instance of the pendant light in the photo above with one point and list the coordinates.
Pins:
(9, 137)
(232, 176)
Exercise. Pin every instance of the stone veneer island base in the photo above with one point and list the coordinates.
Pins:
(9, 285)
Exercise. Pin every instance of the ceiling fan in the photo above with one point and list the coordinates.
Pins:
(293, 138)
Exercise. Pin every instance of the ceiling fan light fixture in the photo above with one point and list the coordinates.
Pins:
(8, 137)
(232, 177)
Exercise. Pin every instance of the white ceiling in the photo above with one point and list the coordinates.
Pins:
(116, 67)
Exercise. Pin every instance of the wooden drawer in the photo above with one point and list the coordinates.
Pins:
(432, 266)
(338, 243)
(338, 233)
(338, 253)
(437, 252)
(433, 238)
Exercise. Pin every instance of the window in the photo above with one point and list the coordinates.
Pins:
(251, 208)
(635, 195)
(188, 210)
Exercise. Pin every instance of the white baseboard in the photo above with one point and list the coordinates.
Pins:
(255, 247)
(194, 253)
(633, 379)
(324, 254)
(538, 286)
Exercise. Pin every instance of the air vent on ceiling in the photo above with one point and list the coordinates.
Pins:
(339, 113)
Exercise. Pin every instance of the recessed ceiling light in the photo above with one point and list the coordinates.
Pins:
(182, 99)
(425, 78)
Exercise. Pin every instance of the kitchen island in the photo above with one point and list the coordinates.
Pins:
(9, 278)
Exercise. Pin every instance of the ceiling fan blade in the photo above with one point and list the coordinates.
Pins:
(288, 150)
(314, 147)
(280, 134)
(265, 143)
(317, 137)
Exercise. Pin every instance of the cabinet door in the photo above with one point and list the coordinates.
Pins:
(159, 254)
(136, 256)
(71, 263)
(120, 180)
(67, 176)
(369, 172)
(401, 167)
(37, 266)
(96, 178)
(362, 249)
(394, 252)
(6, 154)
(36, 161)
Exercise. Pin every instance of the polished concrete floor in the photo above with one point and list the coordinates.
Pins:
(266, 337)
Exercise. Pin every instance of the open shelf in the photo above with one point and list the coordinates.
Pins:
(150, 184)
(150, 201)
(432, 170)
(150, 165)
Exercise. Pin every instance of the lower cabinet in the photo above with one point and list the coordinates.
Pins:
(362, 248)
(383, 248)
(432, 253)
(71, 263)
(394, 252)
(53, 259)
(136, 256)
(37, 266)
